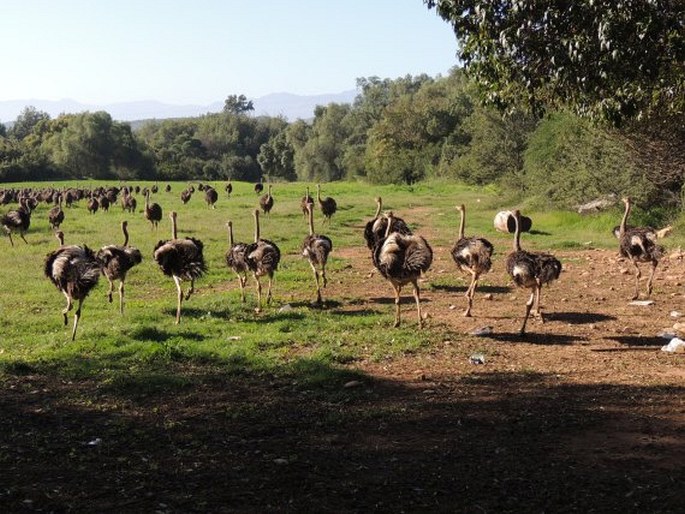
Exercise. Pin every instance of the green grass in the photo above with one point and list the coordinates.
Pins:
(141, 348)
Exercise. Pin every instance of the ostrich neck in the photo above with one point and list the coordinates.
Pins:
(622, 228)
(311, 220)
(388, 229)
(517, 235)
(379, 206)
(318, 194)
(462, 222)
(173, 228)
(230, 236)
(125, 231)
(256, 228)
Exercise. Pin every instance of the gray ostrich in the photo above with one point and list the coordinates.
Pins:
(639, 245)
(316, 248)
(180, 259)
(472, 255)
(236, 260)
(531, 271)
(263, 257)
(74, 270)
(116, 261)
(401, 259)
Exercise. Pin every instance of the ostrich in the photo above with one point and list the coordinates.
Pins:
(153, 213)
(266, 202)
(180, 259)
(472, 255)
(236, 260)
(116, 261)
(56, 214)
(93, 205)
(316, 248)
(185, 196)
(530, 270)
(402, 259)
(328, 205)
(375, 229)
(211, 196)
(75, 271)
(305, 201)
(263, 257)
(258, 187)
(229, 189)
(167, 188)
(639, 245)
(17, 220)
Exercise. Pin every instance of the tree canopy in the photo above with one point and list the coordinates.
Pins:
(607, 59)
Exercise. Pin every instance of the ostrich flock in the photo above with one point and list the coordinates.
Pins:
(400, 256)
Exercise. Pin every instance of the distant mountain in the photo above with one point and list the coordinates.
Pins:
(288, 105)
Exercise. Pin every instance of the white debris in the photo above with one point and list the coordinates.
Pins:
(676, 345)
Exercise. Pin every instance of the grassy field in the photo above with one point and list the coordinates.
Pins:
(215, 326)
(305, 409)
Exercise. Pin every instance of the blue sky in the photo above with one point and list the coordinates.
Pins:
(198, 52)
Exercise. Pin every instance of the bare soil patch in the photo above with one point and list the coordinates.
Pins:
(584, 414)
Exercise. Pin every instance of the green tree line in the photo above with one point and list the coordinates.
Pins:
(398, 131)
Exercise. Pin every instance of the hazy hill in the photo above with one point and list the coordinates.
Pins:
(288, 105)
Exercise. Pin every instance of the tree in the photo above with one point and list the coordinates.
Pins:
(238, 105)
(27, 120)
(276, 158)
(607, 59)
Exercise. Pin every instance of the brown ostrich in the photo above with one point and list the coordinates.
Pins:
(236, 260)
(116, 261)
(266, 202)
(75, 271)
(402, 259)
(316, 248)
(153, 212)
(328, 205)
(180, 259)
(56, 214)
(472, 255)
(305, 201)
(263, 257)
(639, 244)
(375, 229)
(17, 220)
(211, 196)
(531, 271)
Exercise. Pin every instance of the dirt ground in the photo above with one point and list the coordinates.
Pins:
(584, 414)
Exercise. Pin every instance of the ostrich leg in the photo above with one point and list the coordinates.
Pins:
(417, 297)
(77, 315)
(529, 304)
(177, 281)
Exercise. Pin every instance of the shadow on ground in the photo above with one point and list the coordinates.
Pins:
(209, 441)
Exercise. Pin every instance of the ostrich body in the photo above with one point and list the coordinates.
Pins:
(376, 229)
(316, 248)
(305, 201)
(153, 212)
(472, 255)
(263, 257)
(258, 187)
(328, 205)
(180, 259)
(504, 222)
(185, 196)
(56, 214)
(236, 259)
(116, 261)
(17, 220)
(75, 271)
(639, 245)
(266, 202)
(229, 189)
(93, 205)
(211, 196)
(531, 271)
(401, 259)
